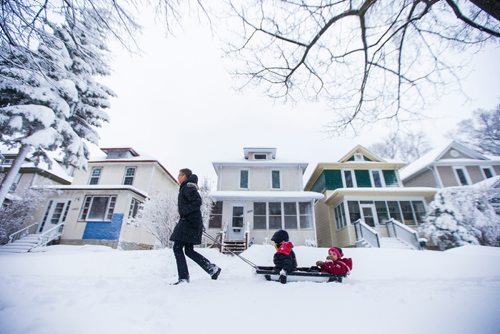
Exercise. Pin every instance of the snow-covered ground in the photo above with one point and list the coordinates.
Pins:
(91, 289)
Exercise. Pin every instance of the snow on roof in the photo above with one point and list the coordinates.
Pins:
(98, 187)
(262, 195)
(434, 155)
(55, 169)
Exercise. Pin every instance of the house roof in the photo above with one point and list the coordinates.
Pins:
(53, 170)
(266, 195)
(387, 191)
(90, 188)
(364, 151)
(435, 154)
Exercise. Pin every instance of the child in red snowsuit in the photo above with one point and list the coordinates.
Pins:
(335, 264)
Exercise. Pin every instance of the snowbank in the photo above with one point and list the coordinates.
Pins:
(91, 289)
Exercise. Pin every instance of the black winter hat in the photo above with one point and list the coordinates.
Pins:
(280, 236)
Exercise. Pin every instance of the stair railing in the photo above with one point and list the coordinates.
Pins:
(366, 233)
(31, 229)
(50, 235)
(397, 230)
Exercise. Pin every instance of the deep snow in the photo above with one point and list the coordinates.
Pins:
(92, 289)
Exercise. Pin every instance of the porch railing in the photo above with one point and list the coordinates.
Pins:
(366, 233)
(50, 235)
(397, 230)
(31, 229)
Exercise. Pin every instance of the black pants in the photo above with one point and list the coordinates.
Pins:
(182, 268)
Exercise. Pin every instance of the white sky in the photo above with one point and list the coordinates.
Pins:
(177, 103)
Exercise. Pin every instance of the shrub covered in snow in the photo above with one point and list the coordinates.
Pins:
(463, 215)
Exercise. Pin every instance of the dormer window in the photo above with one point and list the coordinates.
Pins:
(358, 157)
(260, 156)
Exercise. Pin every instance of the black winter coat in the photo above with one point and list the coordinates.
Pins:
(190, 226)
(286, 262)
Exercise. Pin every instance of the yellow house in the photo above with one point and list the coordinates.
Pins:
(365, 203)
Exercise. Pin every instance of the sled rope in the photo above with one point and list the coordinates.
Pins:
(250, 263)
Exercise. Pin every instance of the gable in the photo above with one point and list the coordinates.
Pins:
(359, 153)
(457, 153)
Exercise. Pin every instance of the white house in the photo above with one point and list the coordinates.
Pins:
(259, 194)
(101, 203)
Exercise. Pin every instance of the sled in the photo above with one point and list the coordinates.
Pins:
(302, 274)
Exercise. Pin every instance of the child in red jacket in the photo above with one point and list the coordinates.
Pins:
(335, 264)
(284, 258)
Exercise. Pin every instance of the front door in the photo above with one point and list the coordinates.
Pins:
(236, 228)
(369, 215)
(55, 213)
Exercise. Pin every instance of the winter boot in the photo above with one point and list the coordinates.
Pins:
(282, 277)
(216, 272)
(181, 281)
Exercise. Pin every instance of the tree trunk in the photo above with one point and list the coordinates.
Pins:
(8, 180)
(492, 7)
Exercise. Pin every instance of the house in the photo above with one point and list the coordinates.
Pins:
(259, 194)
(362, 187)
(31, 175)
(101, 203)
(450, 165)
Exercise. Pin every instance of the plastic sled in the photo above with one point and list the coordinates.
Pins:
(302, 274)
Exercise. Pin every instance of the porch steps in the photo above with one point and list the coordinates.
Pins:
(235, 246)
(363, 244)
(22, 245)
(394, 243)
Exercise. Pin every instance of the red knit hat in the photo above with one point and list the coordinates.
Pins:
(336, 251)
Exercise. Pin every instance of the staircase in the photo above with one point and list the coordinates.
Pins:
(26, 239)
(233, 246)
(22, 245)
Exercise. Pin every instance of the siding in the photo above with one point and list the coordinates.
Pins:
(475, 174)
(447, 176)
(426, 179)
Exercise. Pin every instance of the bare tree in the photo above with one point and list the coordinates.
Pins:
(482, 131)
(372, 59)
(407, 147)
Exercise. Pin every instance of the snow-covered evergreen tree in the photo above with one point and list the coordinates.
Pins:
(49, 96)
(463, 215)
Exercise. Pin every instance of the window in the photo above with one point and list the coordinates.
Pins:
(259, 215)
(129, 175)
(419, 209)
(354, 213)
(216, 216)
(58, 211)
(461, 174)
(348, 179)
(290, 211)
(487, 172)
(95, 175)
(98, 208)
(135, 206)
(358, 157)
(66, 211)
(276, 184)
(394, 211)
(407, 211)
(260, 156)
(14, 185)
(244, 179)
(237, 216)
(340, 216)
(376, 178)
(382, 213)
(274, 215)
(305, 213)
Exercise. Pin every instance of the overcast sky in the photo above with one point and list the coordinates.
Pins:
(178, 103)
